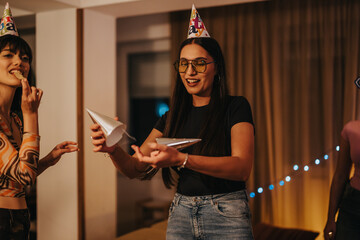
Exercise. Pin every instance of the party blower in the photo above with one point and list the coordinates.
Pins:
(113, 130)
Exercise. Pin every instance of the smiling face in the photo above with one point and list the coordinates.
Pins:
(11, 61)
(199, 84)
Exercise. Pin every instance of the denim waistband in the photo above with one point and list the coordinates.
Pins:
(209, 199)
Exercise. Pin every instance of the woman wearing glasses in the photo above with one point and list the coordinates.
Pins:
(210, 200)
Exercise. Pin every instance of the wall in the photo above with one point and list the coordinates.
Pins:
(100, 96)
(56, 74)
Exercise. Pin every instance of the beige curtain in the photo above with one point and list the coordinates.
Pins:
(296, 62)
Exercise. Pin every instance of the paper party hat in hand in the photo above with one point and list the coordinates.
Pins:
(7, 24)
(113, 130)
(178, 143)
(196, 26)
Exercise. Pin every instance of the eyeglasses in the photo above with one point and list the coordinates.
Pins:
(199, 65)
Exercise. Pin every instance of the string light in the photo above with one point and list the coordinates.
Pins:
(295, 172)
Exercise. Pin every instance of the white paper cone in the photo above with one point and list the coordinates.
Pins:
(112, 129)
(178, 143)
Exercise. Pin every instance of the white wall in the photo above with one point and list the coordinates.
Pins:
(57, 194)
(100, 96)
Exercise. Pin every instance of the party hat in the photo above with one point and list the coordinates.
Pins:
(196, 26)
(112, 129)
(357, 82)
(178, 143)
(7, 24)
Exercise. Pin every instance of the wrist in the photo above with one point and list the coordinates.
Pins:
(141, 167)
(112, 150)
(184, 162)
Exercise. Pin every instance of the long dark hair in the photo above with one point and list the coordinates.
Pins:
(15, 44)
(212, 134)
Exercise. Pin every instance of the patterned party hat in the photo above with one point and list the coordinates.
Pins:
(196, 26)
(7, 24)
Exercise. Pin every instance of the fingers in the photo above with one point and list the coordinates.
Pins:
(65, 143)
(154, 153)
(97, 135)
(25, 87)
(31, 97)
(95, 127)
(39, 94)
(98, 148)
(68, 150)
(156, 146)
(137, 150)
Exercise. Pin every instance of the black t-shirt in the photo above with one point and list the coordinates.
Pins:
(193, 183)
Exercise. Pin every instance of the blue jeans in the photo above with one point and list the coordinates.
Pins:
(14, 224)
(221, 216)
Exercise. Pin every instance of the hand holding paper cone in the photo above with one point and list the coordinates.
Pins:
(112, 129)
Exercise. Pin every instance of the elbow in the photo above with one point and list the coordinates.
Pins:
(243, 170)
(242, 176)
(27, 177)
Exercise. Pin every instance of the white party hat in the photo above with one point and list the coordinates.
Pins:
(178, 143)
(196, 26)
(7, 24)
(112, 129)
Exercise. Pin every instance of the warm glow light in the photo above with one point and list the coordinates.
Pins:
(296, 167)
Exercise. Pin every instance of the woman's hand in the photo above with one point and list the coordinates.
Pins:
(65, 147)
(161, 156)
(30, 101)
(99, 140)
(54, 156)
(31, 97)
(330, 230)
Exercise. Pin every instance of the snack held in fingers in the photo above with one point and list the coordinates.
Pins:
(18, 75)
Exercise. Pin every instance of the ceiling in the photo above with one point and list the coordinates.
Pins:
(116, 8)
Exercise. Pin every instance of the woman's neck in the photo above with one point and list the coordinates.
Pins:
(6, 98)
(199, 101)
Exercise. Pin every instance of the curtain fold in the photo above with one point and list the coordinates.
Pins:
(296, 62)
